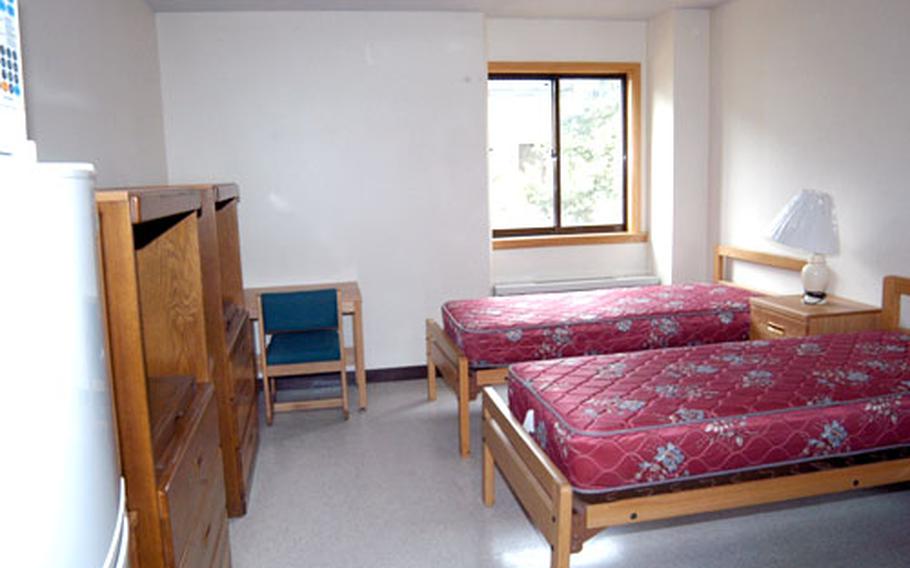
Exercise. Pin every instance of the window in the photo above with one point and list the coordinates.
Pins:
(563, 155)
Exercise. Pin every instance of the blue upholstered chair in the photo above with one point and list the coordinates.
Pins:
(300, 333)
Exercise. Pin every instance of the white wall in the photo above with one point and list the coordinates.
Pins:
(661, 58)
(678, 51)
(93, 90)
(570, 40)
(567, 262)
(691, 133)
(518, 39)
(813, 94)
(358, 142)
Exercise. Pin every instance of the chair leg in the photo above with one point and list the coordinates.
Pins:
(344, 393)
(268, 387)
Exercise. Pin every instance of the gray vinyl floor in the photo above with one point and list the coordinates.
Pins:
(387, 489)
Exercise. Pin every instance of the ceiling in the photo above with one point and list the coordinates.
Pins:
(605, 9)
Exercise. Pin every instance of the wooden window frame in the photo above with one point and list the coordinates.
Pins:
(573, 236)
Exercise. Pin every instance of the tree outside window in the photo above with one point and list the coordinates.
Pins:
(557, 154)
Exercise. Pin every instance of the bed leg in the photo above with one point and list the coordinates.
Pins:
(559, 559)
(489, 471)
(464, 416)
(431, 378)
(431, 366)
(562, 548)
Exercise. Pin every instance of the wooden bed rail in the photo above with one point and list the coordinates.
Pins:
(543, 491)
(566, 521)
(723, 254)
(444, 355)
(746, 494)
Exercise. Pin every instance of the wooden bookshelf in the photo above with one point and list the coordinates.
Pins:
(162, 383)
(230, 339)
(228, 333)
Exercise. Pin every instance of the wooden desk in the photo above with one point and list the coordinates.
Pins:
(351, 305)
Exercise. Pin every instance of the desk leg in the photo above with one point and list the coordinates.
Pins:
(359, 370)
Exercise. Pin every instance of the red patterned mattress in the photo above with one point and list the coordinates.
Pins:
(497, 331)
(647, 418)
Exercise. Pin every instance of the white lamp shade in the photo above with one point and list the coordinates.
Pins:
(808, 222)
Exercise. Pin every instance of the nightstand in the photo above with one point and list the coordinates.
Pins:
(774, 317)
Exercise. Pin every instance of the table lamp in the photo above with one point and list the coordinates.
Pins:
(808, 222)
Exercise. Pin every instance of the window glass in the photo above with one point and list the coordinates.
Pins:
(591, 152)
(520, 158)
(557, 153)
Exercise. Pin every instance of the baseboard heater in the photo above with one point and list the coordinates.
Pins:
(516, 288)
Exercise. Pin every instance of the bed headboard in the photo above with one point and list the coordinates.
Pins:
(893, 288)
(723, 254)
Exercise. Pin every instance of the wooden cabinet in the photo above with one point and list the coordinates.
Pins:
(775, 317)
(229, 335)
(164, 399)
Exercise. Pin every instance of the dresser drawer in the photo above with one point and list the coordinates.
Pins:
(248, 444)
(243, 371)
(194, 491)
(244, 404)
(222, 552)
(771, 325)
(208, 535)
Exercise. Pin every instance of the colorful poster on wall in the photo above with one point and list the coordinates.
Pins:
(12, 89)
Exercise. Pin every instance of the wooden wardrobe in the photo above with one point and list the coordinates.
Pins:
(180, 345)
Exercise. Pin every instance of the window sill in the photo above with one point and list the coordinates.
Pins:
(568, 240)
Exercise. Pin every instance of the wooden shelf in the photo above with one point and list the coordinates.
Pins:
(188, 424)
(169, 399)
(163, 398)
(227, 330)
(232, 343)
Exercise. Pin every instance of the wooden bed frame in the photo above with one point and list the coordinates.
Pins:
(567, 519)
(444, 356)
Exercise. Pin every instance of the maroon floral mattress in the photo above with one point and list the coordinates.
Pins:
(497, 331)
(630, 420)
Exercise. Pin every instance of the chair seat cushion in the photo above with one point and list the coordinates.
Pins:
(303, 347)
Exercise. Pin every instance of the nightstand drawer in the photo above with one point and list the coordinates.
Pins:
(771, 325)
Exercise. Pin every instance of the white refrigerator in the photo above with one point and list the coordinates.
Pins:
(66, 504)
(63, 502)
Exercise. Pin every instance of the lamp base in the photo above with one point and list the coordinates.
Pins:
(815, 298)
(815, 280)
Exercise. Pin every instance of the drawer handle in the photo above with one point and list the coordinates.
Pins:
(775, 329)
